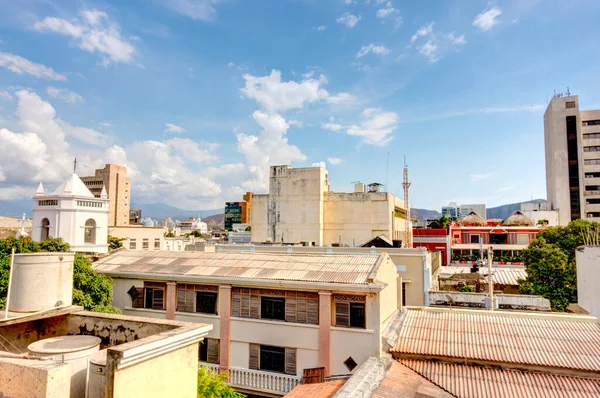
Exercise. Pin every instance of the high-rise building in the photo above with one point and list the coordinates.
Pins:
(135, 216)
(238, 212)
(572, 144)
(114, 178)
(451, 211)
(480, 209)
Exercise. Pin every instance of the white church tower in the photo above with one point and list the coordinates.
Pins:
(74, 214)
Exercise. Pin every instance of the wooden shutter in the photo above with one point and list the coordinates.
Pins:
(190, 299)
(301, 305)
(290, 361)
(139, 301)
(342, 314)
(236, 301)
(253, 362)
(254, 304)
(158, 299)
(180, 297)
(312, 309)
(212, 351)
(290, 306)
(245, 303)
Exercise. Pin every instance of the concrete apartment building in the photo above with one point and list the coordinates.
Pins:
(300, 208)
(572, 144)
(114, 178)
(274, 315)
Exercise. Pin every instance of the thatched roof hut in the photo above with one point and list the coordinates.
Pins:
(517, 219)
(473, 220)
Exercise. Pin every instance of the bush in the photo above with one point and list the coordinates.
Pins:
(214, 385)
(466, 289)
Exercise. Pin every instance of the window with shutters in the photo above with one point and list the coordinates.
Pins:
(197, 298)
(272, 308)
(206, 302)
(289, 306)
(272, 359)
(209, 351)
(349, 311)
(154, 295)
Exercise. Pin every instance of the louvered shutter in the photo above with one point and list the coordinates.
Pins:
(342, 314)
(253, 356)
(236, 302)
(254, 304)
(290, 307)
(245, 303)
(312, 309)
(213, 351)
(290, 361)
(180, 297)
(301, 308)
(190, 299)
(158, 301)
(139, 301)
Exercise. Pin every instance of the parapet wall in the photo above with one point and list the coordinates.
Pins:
(477, 300)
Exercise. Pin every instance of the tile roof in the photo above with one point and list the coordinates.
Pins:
(326, 268)
(467, 381)
(401, 381)
(568, 342)
(316, 390)
(508, 275)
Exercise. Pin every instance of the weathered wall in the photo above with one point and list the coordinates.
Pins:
(587, 259)
(26, 378)
(477, 300)
(178, 376)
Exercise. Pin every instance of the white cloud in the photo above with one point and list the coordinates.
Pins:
(487, 19)
(332, 126)
(21, 65)
(386, 11)
(372, 48)
(349, 20)
(173, 128)
(507, 188)
(64, 94)
(334, 161)
(319, 164)
(230, 64)
(429, 50)
(93, 33)
(202, 10)
(479, 177)
(6, 95)
(321, 28)
(456, 39)
(375, 128)
(339, 98)
(423, 31)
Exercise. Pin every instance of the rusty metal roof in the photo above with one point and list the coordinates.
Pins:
(316, 390)
(325, 268)
(508, 275)
(468, 381)
(569, 342)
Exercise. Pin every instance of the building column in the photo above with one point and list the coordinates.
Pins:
(171, 300)
(225, 320)
(325, 331)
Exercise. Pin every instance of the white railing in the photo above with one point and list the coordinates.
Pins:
(257, 380)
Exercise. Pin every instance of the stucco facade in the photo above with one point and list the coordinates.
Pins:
(300, 209)
(140, 238)
(587, 259)
(118, 187)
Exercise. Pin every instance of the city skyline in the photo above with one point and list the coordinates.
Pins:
(199, 98)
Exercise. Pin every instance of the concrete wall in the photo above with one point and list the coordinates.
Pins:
(550, 215)
(139, 233)
(357, 343)
(178, 372)
(587, 259)
(27, 378)
(477, 300)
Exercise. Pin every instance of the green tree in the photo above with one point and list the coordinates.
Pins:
(114, 242)
(91, 290)
(550, 273)
(569, 237)
(169, 235)
(214, 385)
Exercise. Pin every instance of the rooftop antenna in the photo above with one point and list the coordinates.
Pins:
(407, 222)
(75, 166)
(568, 91)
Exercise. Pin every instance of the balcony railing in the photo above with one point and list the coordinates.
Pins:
(256, 380)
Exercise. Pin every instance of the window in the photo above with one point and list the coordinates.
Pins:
(157, 244)
(591, 161)
(591, 122)
(593, 214)
(45, 229)
(274, 359)
(206, 302)
(592, 201)
(209, 351)
(589, 136)
(350, 311)
(591, 149)
(150, 296)
(145, 244)
(272, 308)
(474, 238)
(48, 202)
(570, 104)
(592, 187)
(522, 239)
(132, 244)
(592, 175)
(90, 231)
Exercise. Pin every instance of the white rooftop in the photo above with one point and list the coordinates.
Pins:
(73, 187)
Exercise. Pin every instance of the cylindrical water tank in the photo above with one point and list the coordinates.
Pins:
(75, 350)
(41, 281)
(97, 375)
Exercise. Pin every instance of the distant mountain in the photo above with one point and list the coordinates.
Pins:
(216, 221)
(423, 214)
(162, 211)
(506, 210)
(15, 208)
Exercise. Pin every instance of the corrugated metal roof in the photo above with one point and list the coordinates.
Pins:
(467, 381)
(518, 338)
(327, 268)
(509, 275)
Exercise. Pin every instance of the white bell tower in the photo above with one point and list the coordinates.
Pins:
(72, 213)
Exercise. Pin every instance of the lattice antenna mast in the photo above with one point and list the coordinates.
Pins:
(407, 226)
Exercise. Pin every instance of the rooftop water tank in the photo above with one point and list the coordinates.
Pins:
(360, 188)
(97, 375)
(75, 350)
(41, 281)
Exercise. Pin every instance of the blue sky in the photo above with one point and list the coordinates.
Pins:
(199, 97)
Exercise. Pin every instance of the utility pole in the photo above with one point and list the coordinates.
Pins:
(408, 222)
(490, 279)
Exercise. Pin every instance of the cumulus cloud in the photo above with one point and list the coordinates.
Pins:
(456, 39)
(201, 10)
(431, 45)
(386, 11)
(332, 126)
(349, 20)
(321, 28)
(64, 94)
(322, 165)
(21, 65)
(93, 32)
(173, 128)
(423, 31)
(487, 19)
(372, 48)
(429, 50)
(334, 161)
(376, 127)
(6, 95)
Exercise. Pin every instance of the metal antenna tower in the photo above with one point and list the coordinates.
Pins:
(407, 226)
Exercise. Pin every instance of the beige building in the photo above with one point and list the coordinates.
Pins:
(572, 143)
(118, 187)
(300, 208)
(137, 237)
(274, 316)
